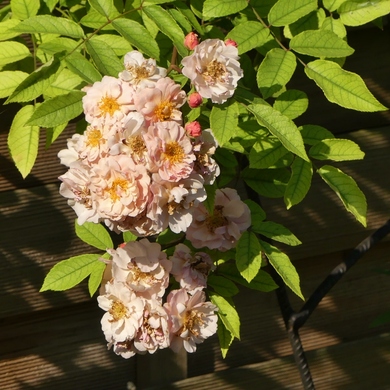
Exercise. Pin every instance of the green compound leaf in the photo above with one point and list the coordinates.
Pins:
(93, 234)
(168, 26)
(313, 134)
(275, 71)
(283, 266)
(248, 256)
(9, 80)
(277, 232)
(138, 36)
(24, 9)
(52, 133)
(358, 12)
(117, 43)
(292, 103)
(5, 29)
(261, 282)
(311, 21)
(299, 183)
(336, 150)
(286, 11)
(80, 66)
(267, 182)
(181, 20)
(320, 43)
(96, 276)
(12, 52)
(217, 8)
(344, 88)
(347, 190)
(128, 236)
(64, 83)
(104, 7)
(95, 20)
(281, 127)
(266, 153)
(224, 121)
(58, 110)
(225, 338)
(227, 313)
(68, 273)
(332, 5)
(249, 35)
(23, 141)
(222, 286)
(37, 82)
(50, 25)
(104, 58)
(183, 8)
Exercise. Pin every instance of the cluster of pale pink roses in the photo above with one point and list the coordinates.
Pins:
(136, 168)
(136, 319)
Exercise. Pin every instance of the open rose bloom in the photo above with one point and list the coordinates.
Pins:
(139, 167)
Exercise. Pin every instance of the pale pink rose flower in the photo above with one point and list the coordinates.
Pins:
(143, 267)
(170, 151)
(124, 312)
(108, 100)
(191, 319)
(191, 270)
(161, 103)
(70, 155)
(140, 72)
(153, 334)
(120, 187)
(76, 187)
(123, 348)
(193, 129)
(224, 227)
(213, 69)
(191, 40)
(204, 147)
(173, 203)
(195, 100)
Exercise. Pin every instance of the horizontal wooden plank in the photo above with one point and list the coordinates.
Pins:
(62, 349)
(358, 365)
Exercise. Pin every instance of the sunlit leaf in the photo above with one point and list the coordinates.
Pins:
(93, 234)
(223, 121)
(344, 88)
(12, 51)
(24, 9)
(58, 110)
(336, 150)
(347, 190)
(104, 7)
(225, 338)
(80, 66)
(6, 29)
(332, 5)
(222, 286)
(266, 153)
(283, 266)
(9, 80)
(23, 141)
(313, 134)
(68, 273)
(96, 276)
(276, 232)
(65, 82)
(292, 103)
(227, 313)
(275, 71)
(359, 12)
(50, 25)
(334, 25)
(286, 11)
(217, 8)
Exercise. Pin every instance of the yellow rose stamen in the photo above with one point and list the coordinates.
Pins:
(163, 112)
(118, 185)
(216, 220)
(108, 105)
(215, 71)
(174, 153)
(94, 136)
(118, 311)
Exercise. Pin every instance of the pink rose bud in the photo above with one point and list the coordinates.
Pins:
(194, 100)
(230, 42)
(191, 40)
(193, 129)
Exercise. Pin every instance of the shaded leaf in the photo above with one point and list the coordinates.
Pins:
(225, 338)
(52, 133)
(313, 134)
(292, 103)
(129, 236)
(222, 286)
(266, 153)
(299, 183)
(276, 232)
(257, 213)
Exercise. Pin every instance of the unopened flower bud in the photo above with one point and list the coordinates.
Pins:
(191, 40)
(194, 100)
(193, 129)
(230, 42)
